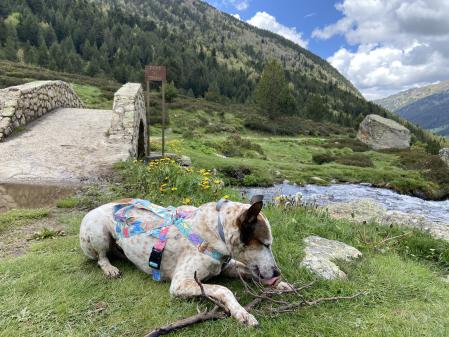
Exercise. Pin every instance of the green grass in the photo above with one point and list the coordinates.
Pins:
(69, 202)
(20, 217)
(54, 290)
(93, 97)
(204, 134)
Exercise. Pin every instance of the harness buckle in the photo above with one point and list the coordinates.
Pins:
(155, 259)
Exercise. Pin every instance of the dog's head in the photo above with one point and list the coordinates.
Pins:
(251, 242)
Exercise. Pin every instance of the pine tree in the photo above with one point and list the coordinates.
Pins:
(273, 95)
(42, 52)
(170, 92)
(28, 29)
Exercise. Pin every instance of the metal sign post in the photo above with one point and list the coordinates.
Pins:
(156, 74)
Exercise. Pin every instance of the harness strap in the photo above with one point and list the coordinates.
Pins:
(126, 225)
(156, 253)
(219, 223)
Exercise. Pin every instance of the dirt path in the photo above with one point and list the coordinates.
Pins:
(66, 145)
(16, 241)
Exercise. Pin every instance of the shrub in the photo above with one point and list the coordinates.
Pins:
(352, 159)
(171, 92)
(354, 144)
(292, 126)
(235, 173)
(433, 167)
(323, 158)
(355, 159)
(236, 146)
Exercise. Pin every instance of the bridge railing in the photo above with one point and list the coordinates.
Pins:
(21, 104)
(129, 122)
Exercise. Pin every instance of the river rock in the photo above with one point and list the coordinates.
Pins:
(185, 161)
(321, 253)
(370, 211)
(382, 133)
(444, 155)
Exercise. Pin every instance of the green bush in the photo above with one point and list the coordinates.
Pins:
(236, 146)
(355, 159)
(323, 158)
(292, 126)
(432, 166)
(352, 159)
(352, 143)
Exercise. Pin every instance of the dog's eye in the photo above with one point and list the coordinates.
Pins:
(267, 246)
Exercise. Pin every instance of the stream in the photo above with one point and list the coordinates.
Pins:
(435, 211)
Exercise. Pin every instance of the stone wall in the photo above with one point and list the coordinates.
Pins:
(21, 104)
(129, 121)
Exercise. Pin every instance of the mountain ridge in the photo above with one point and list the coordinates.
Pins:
(427, 106)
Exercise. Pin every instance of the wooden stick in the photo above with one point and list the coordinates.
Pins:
(393, 238)
(213, 300)
(293, 306)
(266, 294)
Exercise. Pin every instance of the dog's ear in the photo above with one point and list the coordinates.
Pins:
(248, 221)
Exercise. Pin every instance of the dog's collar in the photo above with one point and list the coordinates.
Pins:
(219, 223)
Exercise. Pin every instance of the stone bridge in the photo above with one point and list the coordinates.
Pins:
(46, 134)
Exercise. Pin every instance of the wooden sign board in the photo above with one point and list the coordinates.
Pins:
(155, 73)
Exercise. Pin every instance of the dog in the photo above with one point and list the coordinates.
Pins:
(236, 241)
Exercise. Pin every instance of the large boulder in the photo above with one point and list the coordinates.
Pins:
(382, 133)
(444, 155)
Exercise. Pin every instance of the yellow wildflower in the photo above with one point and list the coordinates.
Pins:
(174, 188)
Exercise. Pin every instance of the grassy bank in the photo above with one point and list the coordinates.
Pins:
(53, 290)
(215, 137)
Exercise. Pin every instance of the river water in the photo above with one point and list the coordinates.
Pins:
(435, 211)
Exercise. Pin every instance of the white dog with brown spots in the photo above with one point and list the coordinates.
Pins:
(245, 236)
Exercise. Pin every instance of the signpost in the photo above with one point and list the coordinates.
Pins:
(155, 73)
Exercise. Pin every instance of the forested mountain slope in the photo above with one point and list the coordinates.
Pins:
(206, 51)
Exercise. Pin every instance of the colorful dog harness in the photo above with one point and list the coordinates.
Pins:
(141, 217)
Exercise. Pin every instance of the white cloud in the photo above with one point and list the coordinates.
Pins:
(237, 16)
(399, 44)
(266, 21)
(309, 15)
(240, 5)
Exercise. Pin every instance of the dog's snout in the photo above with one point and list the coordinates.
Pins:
(276, 272)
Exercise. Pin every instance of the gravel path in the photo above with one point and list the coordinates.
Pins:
(66, 145)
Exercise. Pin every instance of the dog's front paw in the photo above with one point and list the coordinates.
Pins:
(284, 286)
(112, 272)
(246, 318)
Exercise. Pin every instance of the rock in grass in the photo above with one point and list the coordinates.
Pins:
(444, 155)
(383, 133)
(370, 211)
(321, 253)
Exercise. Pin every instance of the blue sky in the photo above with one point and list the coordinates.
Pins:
(305, 15)
(381, 46)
